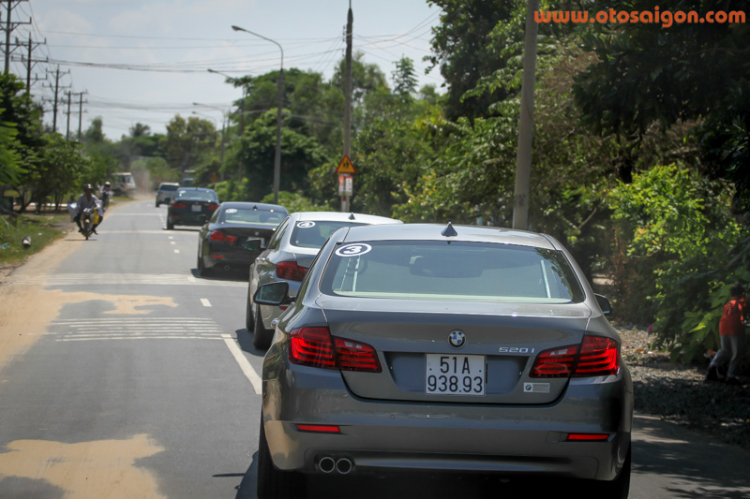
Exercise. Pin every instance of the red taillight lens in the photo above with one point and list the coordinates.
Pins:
(290, 271)
(314, 347)
(316, 428)
(178, 205)
(355, 356)
(587, 437)
(222, 237)
(555, 363)
(212, 206)
(599, 357)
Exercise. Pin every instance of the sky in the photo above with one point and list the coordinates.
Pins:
(146, 61)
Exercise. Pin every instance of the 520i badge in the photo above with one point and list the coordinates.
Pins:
(516, 350)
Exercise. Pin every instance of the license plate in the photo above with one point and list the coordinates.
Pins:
(196, 207)
(455, 374)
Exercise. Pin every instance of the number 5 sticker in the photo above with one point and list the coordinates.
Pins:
(354, 249)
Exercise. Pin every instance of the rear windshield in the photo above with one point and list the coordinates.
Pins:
(437, 270)
(168, 187)
(197, 195)
(253, 217)
(314, 234)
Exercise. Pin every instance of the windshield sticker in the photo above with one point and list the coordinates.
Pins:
(231, 210)
(305, 225)
(353, 249)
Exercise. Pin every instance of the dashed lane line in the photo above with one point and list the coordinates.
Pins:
(205, 302)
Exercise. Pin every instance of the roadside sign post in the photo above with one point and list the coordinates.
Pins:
(345, 171)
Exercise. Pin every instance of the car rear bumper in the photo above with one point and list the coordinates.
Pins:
(386, 435)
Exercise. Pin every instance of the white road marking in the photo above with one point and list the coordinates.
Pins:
(247, 369)
(176, 251)
(53, 280)
(172, 242)
(99, 338)
(205, 302)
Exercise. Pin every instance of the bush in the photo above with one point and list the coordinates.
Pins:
(675, 232)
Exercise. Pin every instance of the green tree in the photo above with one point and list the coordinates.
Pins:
(465, 50)
(187, 142)
(648, 76)
(404, 78)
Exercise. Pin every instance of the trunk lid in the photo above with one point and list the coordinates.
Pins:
(505, 338)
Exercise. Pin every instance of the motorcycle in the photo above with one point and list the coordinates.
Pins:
(89, 219)
(105, 199)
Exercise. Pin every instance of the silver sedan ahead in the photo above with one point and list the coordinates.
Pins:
(424, 347)
(290, 252)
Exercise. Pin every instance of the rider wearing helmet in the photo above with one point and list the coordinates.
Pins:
(106, 194)
(87, 200)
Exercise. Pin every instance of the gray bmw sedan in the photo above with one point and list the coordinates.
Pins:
(426, 347)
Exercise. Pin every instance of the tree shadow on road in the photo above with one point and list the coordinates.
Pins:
(698, 467)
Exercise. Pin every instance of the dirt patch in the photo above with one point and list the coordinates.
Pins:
(104, 468)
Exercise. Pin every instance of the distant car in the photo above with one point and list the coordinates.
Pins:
(419, 347)
(192, 206)
(290, 252)
(236, 234)
(166, 193)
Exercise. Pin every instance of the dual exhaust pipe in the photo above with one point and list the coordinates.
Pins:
(328, 465)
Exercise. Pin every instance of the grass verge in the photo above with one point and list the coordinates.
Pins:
(42, 229)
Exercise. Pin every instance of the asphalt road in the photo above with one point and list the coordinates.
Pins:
(136, 378)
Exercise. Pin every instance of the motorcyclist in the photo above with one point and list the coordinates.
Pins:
(106, 194)
(88, 200)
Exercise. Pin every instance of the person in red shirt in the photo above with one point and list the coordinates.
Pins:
(732, 332)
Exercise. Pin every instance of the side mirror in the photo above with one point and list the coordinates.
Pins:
(604, 304)
(274, 294)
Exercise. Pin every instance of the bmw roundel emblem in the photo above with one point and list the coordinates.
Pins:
(457, 338)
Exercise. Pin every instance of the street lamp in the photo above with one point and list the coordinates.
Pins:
(277, 155)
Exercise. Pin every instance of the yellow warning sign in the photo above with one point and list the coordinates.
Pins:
(346, 167)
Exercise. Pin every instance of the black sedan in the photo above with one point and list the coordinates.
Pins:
(192, 206)
(236, 234)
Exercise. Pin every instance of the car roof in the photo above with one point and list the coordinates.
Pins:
(244, 205)
(196, 189)
(343, 217)
(168, 183)
(433, 232)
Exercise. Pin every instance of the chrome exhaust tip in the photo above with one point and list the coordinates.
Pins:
(327, 465)
(344, 466)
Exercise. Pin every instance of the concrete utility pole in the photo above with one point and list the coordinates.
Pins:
(57, 88)
(80, 112)
(348, 97)
(9, 27)
(526, 122)
(67, 128)
(30, 61)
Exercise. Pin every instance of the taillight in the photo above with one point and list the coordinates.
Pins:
(314, 347)
(555, 363)
(221, 236)
(599, 357)
(178, 205)
(355, 356)
(596, 356)
(212, 206)
(290, 271)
